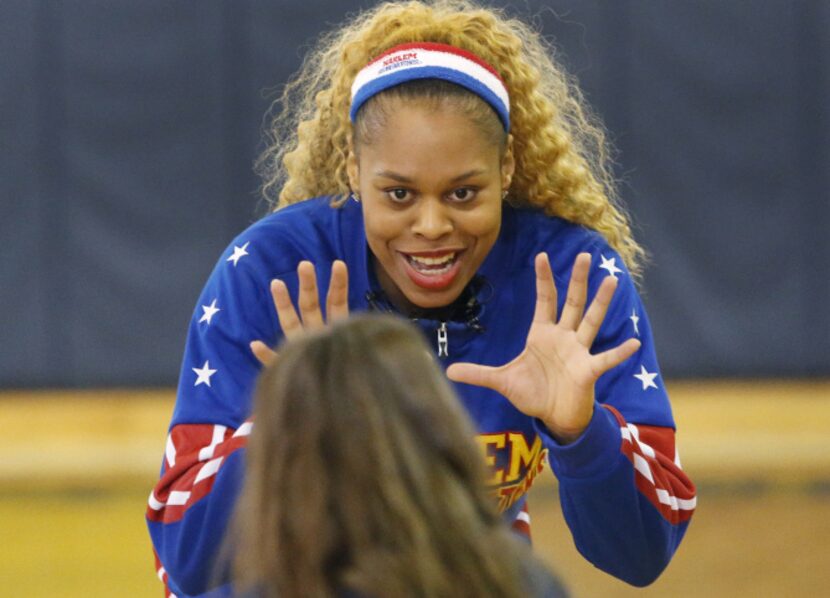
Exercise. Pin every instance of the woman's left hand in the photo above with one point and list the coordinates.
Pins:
(553, 378)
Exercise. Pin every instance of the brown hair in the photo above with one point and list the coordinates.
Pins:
(363, 475)
(562, 160)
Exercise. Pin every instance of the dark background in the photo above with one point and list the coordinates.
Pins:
(128, 132)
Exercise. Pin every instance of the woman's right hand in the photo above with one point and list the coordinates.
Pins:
(310, 315)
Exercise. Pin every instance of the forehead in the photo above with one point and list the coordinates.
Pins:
(428, 136)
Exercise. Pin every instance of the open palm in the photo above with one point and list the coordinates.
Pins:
(553, 378)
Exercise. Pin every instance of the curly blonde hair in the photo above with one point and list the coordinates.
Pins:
(562, 158)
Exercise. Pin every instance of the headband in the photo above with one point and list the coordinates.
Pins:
(407, 62)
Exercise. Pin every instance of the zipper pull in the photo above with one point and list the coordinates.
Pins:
(443, 341)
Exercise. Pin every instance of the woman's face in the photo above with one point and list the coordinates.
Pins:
(431, 185)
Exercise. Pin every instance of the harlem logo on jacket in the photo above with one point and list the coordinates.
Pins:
(513, 462)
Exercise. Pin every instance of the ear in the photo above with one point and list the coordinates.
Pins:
(508, 164)
(352, 169)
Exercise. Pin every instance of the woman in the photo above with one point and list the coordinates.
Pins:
(363, 478)
(451, 170)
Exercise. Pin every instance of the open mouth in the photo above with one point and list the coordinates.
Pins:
(432, 266)
(433, 271)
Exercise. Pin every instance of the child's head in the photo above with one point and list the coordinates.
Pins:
(363, 472)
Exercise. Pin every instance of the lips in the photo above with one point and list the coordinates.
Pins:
(433, 270)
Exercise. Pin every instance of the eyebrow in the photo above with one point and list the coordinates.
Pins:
(389, 174)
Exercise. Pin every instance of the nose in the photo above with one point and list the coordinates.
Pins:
(432, 220)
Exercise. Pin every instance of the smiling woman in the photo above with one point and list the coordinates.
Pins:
(432, 182)
(432, 161)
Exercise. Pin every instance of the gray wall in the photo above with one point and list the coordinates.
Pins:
(128, 130)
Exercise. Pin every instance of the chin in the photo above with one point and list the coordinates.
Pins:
(433, 299)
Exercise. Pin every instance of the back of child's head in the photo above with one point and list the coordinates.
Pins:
(363, 474)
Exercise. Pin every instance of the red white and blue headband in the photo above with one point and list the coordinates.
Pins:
(408, 62)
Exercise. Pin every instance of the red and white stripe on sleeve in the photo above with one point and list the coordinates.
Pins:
(193, 456)
(521, 524)
(658, 475)
(162, 575)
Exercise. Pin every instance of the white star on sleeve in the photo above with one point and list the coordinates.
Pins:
(646, 378)
(209, 312)
(203, 374)
(610, 265)
(238, 253)
(634, 320)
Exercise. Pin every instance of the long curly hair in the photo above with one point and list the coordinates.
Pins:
(362, 475)
(562, 159)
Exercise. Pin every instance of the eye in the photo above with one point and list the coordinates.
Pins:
(399, 195)
(462, 194)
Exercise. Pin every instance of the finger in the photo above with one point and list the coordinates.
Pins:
(577, 293)
(589, 327)
(337, 299)
(309, 299)
(545, 291)
(263, 352)
(602, 362)
(286, 314)
(477, 375)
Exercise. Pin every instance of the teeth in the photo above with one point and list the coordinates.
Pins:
(432, 261)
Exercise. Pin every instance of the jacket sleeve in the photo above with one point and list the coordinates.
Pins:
(201, 473)
(624, 494)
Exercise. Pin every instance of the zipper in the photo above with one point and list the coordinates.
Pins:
(443, 340)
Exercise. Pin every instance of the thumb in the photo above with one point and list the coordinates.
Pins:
(264, 354)
(477, 375)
